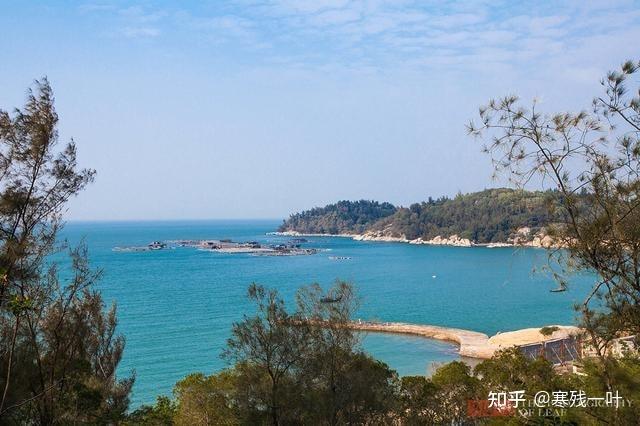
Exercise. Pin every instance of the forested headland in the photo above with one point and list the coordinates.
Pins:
(489, 216)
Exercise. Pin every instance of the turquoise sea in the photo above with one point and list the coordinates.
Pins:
(176, 307)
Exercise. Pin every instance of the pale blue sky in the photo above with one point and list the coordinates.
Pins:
(247, 109)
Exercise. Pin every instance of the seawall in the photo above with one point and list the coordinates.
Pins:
(471, 343)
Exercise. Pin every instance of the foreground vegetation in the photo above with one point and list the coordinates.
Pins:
(492, 215)
(307, 367)
(58, 346)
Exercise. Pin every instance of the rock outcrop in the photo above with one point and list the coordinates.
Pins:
(380, 236)
(453, 240)
(542, 241)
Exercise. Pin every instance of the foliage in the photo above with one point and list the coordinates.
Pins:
(273, 342)
(58, 347)
(160, 414)
(455, 386)
(418, 398)
(203, 400)
(307, 365)
(596, 379)
(510, 370)
(548, 330)
(442, 398)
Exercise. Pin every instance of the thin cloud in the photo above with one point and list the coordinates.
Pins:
(376, 33)
(96, 7)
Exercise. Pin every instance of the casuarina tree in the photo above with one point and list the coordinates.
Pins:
(58, 346)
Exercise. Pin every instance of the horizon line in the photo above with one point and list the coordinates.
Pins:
(171, 220)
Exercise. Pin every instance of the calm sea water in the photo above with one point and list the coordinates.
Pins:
(176, 307)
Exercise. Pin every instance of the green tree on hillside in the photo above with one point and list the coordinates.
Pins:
(343, 217)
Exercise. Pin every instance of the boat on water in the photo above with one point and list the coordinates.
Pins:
(331, 299)
(157, 245)
(298, 240)
(562, 287)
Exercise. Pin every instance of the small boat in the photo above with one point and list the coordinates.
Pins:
(560, 289)
(331, 299)
(157, 245)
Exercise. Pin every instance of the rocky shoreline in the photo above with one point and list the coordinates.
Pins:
(523, 238)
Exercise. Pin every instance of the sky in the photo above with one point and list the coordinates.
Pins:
(257, 109)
